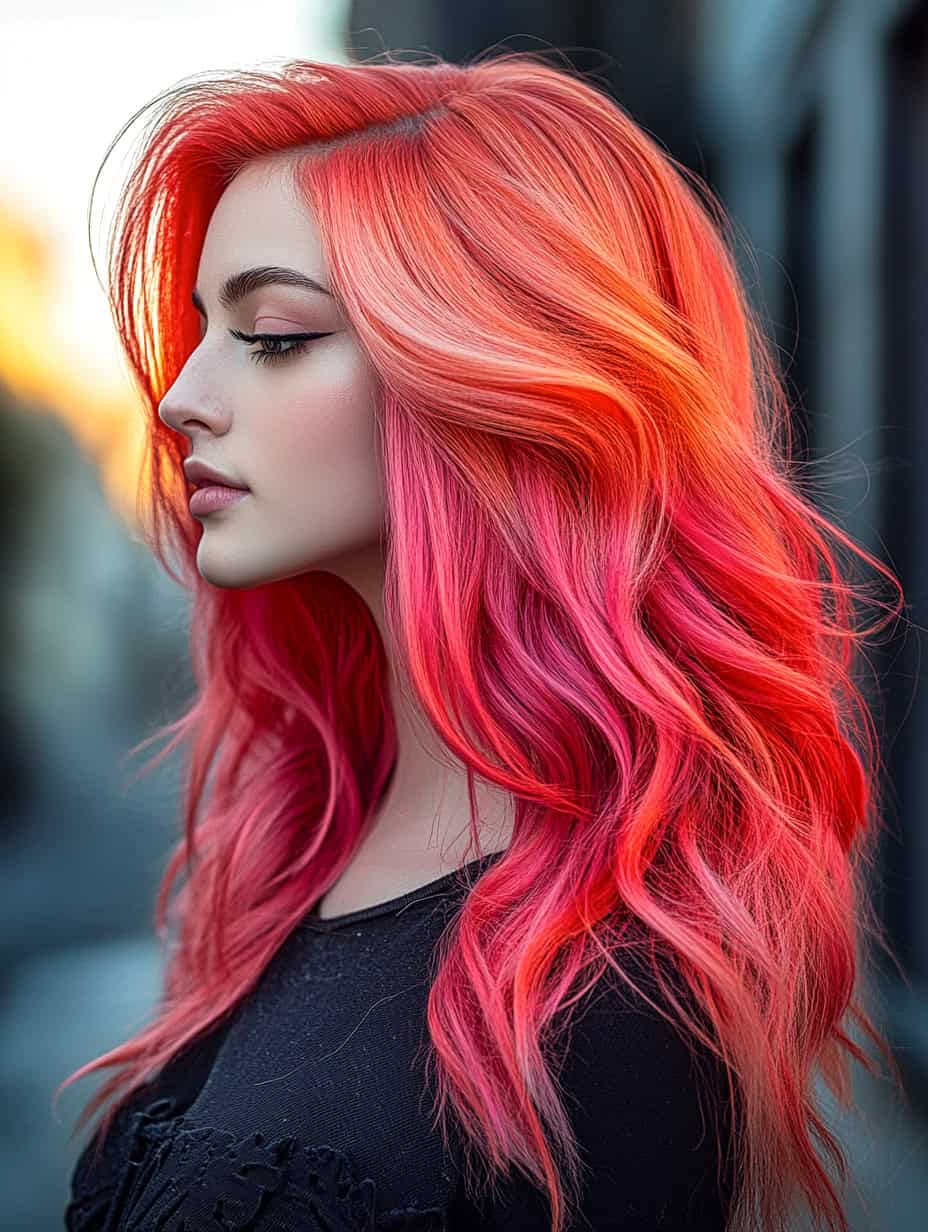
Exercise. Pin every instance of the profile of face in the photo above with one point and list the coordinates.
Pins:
(295, 424)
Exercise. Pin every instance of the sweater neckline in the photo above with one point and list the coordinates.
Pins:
(439, 885)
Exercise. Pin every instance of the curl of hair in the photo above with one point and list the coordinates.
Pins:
(650, 640)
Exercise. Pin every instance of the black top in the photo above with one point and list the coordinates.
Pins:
(309, 1110)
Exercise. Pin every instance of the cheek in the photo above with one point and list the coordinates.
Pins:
(324, 430)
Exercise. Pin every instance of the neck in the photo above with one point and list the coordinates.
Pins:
(423, 823)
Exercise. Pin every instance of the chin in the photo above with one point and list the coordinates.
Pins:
(227, 574)
(225, 581)
(239, 574)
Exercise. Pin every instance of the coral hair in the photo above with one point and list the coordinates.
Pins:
(650, 641)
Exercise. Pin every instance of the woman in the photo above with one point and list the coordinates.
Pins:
(470, 451)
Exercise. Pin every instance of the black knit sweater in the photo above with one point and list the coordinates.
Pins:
(308, 1109)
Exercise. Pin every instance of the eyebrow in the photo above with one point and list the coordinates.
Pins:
(237, 286)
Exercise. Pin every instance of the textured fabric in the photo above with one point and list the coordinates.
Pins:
(308, 1109)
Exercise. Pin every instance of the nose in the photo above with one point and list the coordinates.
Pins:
(191, 413)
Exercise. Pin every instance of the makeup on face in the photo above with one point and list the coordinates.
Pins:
(265, 319)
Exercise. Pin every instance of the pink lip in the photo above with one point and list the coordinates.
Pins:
(214, 496)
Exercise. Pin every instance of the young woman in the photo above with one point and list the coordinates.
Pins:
(529, 789)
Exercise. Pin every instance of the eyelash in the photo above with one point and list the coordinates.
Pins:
(265, 356)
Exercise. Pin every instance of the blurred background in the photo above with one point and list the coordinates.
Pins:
(809, 118)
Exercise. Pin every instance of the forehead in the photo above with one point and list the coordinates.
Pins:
(260, 220)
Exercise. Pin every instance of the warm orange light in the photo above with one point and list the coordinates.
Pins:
(39, 366)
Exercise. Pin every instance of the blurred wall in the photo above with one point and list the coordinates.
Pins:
(818, 118)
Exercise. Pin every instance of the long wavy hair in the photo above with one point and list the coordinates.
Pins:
(650, 638)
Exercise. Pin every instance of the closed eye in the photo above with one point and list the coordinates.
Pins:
(270, 344)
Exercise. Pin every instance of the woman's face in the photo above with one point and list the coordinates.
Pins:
(299, 430)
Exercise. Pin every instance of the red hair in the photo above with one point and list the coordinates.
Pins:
(650, 639)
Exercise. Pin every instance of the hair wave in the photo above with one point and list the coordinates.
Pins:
(650, 640)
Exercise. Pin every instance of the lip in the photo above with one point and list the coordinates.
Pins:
(213, 496)
(201, 475)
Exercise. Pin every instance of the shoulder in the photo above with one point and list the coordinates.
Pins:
(643, 1092)
(648, 1107)
(624, 1032)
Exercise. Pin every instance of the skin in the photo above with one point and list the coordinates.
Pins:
(301, 434)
